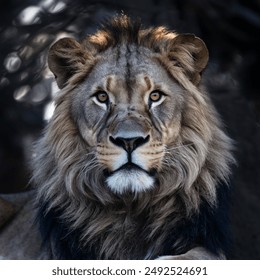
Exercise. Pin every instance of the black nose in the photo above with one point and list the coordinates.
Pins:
(129, 144)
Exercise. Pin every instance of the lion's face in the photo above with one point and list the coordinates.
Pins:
(128, 110)
(130, 100)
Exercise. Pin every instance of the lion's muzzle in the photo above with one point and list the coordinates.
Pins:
(131, 175)
(128, 150)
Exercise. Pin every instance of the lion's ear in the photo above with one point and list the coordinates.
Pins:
(190, 53)
(64, 58)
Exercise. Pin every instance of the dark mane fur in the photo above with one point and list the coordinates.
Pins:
(122, 29)
(209, 228)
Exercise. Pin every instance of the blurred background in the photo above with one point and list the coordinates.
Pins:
(230, 29)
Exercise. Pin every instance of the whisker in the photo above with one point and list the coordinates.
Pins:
(178, 147)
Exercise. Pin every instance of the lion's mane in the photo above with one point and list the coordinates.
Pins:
(81, 218)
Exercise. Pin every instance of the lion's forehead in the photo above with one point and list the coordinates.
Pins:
(128, 65)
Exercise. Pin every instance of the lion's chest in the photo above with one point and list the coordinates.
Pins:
(125, 237)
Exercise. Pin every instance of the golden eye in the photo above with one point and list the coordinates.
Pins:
(102, 96)
(155, 96)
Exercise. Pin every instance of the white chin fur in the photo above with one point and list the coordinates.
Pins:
(128, 180)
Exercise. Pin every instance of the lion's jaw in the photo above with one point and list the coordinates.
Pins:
(130, 180)
(130, 173)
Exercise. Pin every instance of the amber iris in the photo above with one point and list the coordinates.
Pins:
(155, 96)
(102, 97)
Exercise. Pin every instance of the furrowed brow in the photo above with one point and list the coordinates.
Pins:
(148, 83)
(108, 83)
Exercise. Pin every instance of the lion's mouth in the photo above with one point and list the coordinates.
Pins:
(130, 166)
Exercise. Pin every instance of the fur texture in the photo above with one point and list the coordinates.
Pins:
(132, 111)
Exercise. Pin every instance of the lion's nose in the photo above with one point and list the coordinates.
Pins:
(129, 144)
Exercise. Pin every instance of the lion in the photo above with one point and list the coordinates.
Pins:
(134, 163)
